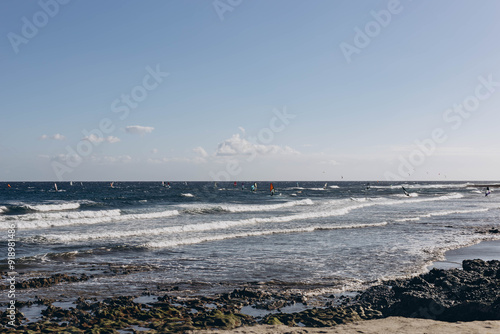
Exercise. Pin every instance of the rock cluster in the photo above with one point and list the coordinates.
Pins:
(449, 295)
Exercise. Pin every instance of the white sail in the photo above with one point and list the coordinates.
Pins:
(55, 186)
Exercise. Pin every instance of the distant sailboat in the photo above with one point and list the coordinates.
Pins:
(406, 193)
(272, 189)
(71, 183)
(81, 183)
(55, 187)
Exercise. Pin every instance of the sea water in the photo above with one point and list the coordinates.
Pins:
(215, 238)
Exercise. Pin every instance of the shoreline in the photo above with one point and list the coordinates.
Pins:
(485, 250)
(258, 310)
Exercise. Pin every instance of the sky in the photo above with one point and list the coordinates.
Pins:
(235, 90)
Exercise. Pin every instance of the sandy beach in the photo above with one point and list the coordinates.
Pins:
(387, 325)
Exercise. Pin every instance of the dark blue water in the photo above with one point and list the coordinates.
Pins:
(339, 237)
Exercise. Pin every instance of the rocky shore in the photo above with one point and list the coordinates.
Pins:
(468, 294)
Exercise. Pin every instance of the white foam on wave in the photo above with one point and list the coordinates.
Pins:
(334, 187)
(197, 240)
(217, 225)
(63, 215)
(255, 207)
(107, 216)
(187, 195)
(441, 213)
(3, 209)
(423, 186)
(54, 207)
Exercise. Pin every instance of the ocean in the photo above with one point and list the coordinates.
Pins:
(210, 238)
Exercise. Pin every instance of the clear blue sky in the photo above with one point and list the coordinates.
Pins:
(231, 67)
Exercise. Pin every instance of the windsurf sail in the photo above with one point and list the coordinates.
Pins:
(368, 186)
(235, 184)
(487, 191)
(254, 187)
(325, 186)
(55, 186)
(70, 183)
(242, 185)
(406, 193)
(111, 184)
(215, 185)
(9, 186)
(271, 188)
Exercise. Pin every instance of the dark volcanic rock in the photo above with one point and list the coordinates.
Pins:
(450, 295)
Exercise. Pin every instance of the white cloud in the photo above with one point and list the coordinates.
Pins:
(196, 160)
(57, 136)
(112, 140)
(96, 139)
(201, 151)
(240, 146)
(138, 129)
(111, 159)
(331, 162)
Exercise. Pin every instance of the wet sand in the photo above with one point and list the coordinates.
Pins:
(485, 250)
